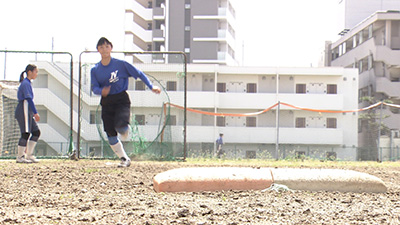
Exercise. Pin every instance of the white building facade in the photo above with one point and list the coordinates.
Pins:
(287, 132)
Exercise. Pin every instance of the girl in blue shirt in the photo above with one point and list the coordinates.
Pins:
(109, 78)
(27, 116)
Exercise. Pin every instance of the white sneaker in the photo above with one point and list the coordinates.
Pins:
(125, 162)
(32, 159)
(127, 135)
(23, 160)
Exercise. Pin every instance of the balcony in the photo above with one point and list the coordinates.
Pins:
(359, 52)
(138, 9)
(138, 31)
(384, 85)
(159, 13)
(256, 135)
(262, 101)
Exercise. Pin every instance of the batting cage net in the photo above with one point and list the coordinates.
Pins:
(157, 130)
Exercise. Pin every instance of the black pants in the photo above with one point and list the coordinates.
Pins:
(115, 112)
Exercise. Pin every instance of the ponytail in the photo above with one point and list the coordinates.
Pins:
(21, 77)
(29, 67)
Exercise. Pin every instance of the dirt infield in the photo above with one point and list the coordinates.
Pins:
(96, 192)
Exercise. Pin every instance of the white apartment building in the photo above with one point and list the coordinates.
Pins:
(373, 47)
(203, 29)
(221, 89)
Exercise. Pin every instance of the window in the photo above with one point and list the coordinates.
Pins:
(300, 122)
(360, 125)
(172, 120)
(251, 121)
(139, 85)
(171, 85)
(251, 88)
(220, 121)
(300, 88)
(140, 119)
(331, 89)
(43, 116)
(92, 117)
(221, 87)
(331, 123)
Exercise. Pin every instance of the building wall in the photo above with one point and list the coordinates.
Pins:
(355, 11)
(372, 48)
(202, 29)
(176, 25)
(238, 131)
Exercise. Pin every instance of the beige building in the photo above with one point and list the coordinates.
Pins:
(373, 47)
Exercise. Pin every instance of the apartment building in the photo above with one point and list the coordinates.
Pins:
(352, 12)
(373, 47)
(221, 89)
(203, 29)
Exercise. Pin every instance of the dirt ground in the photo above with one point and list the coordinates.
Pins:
(96, 192)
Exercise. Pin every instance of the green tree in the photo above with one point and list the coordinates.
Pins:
(372, 122)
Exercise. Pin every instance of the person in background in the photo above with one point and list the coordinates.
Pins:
(27, 116)
(109, 78)
(220, 142)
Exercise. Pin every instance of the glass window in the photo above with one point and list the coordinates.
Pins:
(220, 121)
(92, 117)
(140, 119)
(139, 85)
(300, 122)
(251, 88)
(331, 123)
(171, 85)
(221, 87)
(251, 121)
(172, 120)
(331, 89)
(300, 88)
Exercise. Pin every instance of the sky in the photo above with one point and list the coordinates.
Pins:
(271, 33)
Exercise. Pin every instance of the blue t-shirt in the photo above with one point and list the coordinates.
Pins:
(219, 141)
(25, 92)
(116, 75)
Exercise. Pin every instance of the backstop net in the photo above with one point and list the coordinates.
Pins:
(157, 129)
(9, 129)
(52, 96)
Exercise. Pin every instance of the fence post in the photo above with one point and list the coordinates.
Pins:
(379, 134)
(277, 132)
